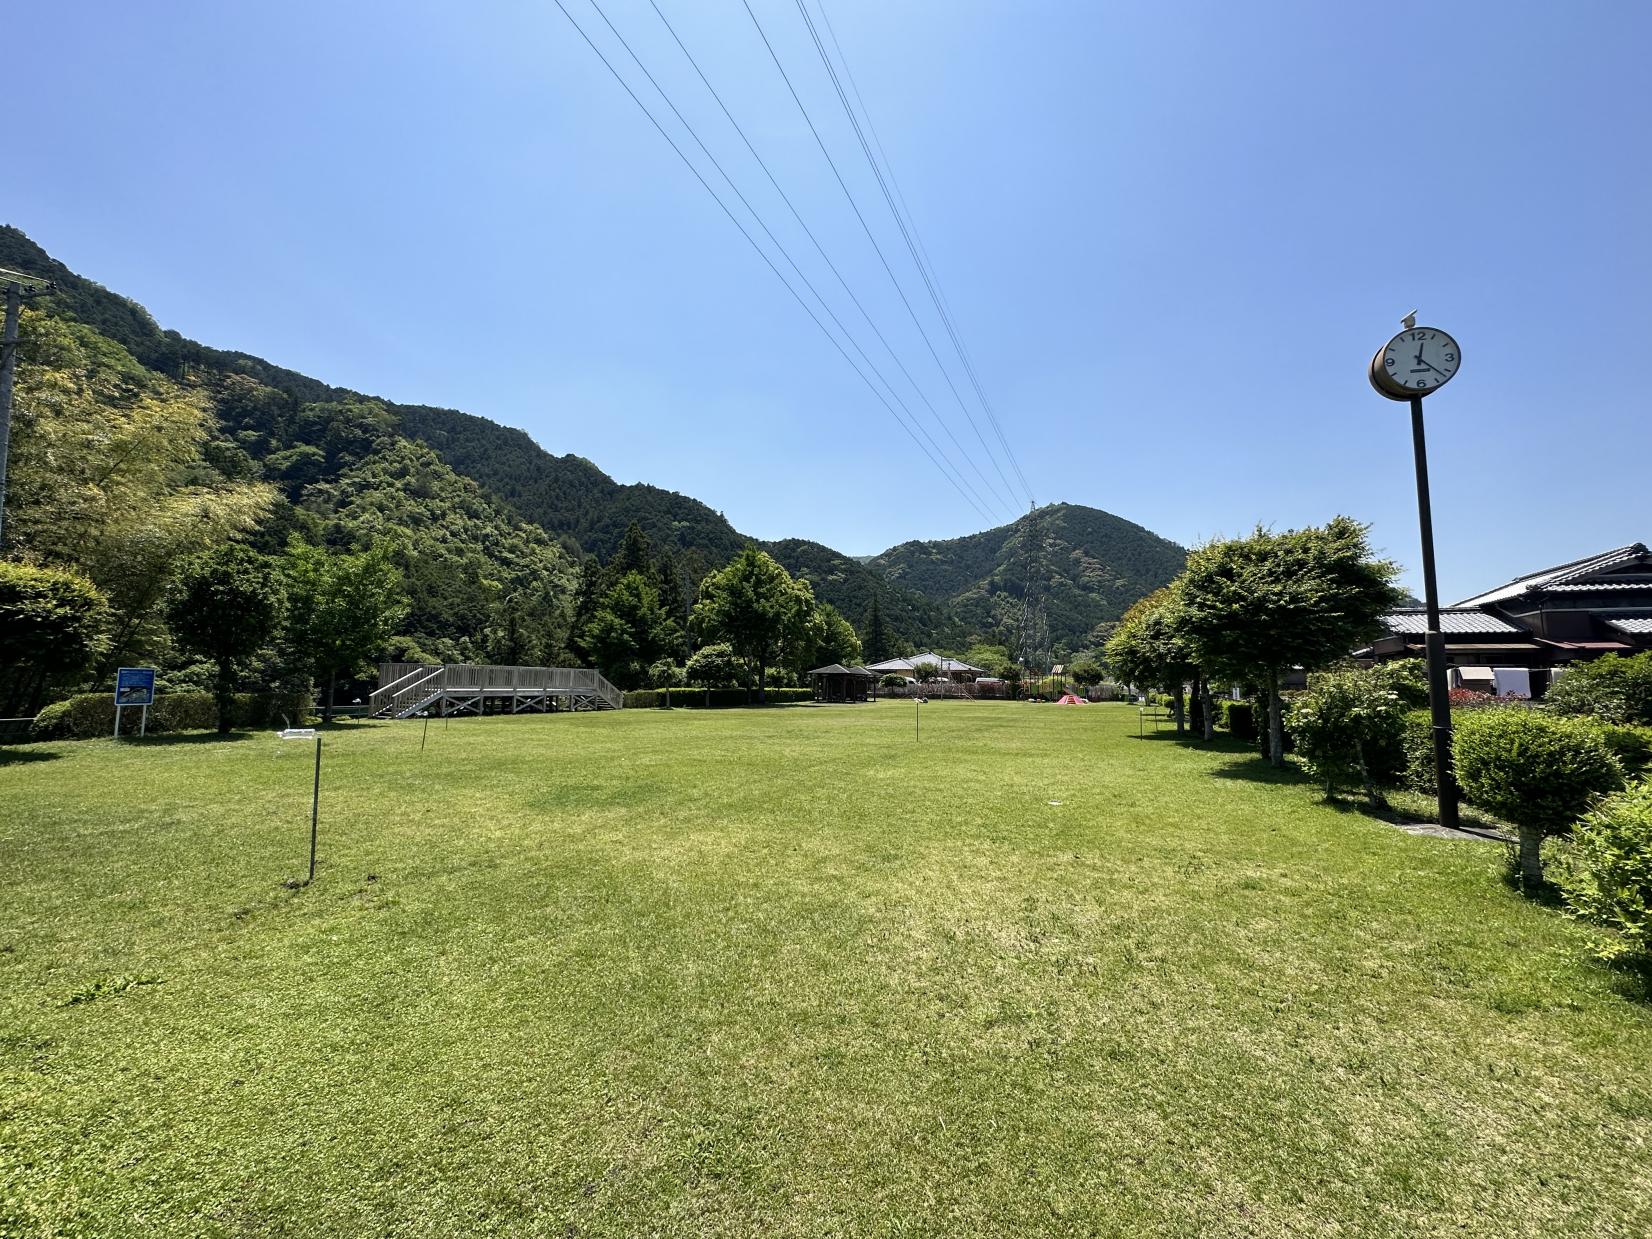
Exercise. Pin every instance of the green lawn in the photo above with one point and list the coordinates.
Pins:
(784, 972)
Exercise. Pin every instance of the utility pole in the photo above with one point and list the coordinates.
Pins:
(18, 286)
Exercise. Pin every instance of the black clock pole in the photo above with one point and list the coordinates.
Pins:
(1439, 696)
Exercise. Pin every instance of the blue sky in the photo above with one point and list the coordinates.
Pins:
(1171, 236)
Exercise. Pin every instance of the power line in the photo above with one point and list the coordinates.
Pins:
(920, 255)
(784, 253)
(819, 248)
(870, 236)
(752, 241)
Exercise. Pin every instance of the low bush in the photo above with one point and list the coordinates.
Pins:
(90, 715)
(1417, 748)
(1539, 771)
(1613, 688)
(1238, 718)
(713, 698)
(1348, 728)
(1632, 746)
(1606, 873)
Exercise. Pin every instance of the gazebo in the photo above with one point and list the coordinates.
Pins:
(835, 682)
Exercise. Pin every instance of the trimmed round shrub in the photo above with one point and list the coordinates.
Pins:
(1538, 771)
(1606, 873)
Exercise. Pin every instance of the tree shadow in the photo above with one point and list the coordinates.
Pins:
(170, 738)
(1632, 979)
(1253, 768)
(1468, 822)
(18, 757)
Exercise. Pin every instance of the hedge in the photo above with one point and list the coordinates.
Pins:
(1606, 873)
(1238, 718)
(715, 698)
(90, 715)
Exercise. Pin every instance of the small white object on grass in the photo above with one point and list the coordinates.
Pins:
(296, 733)
(1054, 802)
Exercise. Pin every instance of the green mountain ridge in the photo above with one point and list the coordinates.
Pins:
(317, 442)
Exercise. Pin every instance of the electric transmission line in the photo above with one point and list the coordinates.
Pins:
(784, 253)
(913, 248)
(865, 227)
(819, 248)
(761, 253)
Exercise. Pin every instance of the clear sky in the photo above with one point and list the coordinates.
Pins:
(1171, 237)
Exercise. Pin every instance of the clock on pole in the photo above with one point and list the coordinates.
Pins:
(1416, 363)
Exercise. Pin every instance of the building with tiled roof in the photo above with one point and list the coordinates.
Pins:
(1537, 623)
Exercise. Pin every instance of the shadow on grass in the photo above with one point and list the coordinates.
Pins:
(1468, 821)
(17, 757)
(1632, 979)
(1256, 769)
(169, 738)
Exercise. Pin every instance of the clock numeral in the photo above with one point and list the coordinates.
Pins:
(1390, 361)
(1422, 382)
(1451, 356)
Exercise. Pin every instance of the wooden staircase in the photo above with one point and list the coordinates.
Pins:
(449, 689)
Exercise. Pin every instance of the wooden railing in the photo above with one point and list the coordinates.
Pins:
(400, 684)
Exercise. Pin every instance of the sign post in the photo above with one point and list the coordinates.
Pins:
(134, 686)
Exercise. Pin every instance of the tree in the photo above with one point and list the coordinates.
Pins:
(1305, 597)
(629, 631)
(225, 604)
(1613, 688)
(714, 666)
(926, 672)
(875, 636)
(993, 659)
(755, 606)
(1085, 672)
(1150, 649)
(341, 609)
(1537, 770)
(51, 623)
(830, 639)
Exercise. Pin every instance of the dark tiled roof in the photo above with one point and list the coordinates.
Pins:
(1452, 620)
(1640, 626)
(1560, 576)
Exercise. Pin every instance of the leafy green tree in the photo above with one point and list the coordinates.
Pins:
(629, 631)
(875, 636)
(714, 666)
(51, 624)
(926, 672)
(830, 639)
(1304, 597)
(1086, 671)
(225, 604)
(993, 659)
(1150, 648)
(342, 610)
(755, 606)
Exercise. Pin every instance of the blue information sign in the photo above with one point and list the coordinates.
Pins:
(135, 686)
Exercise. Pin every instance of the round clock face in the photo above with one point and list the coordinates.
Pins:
(1418, 360)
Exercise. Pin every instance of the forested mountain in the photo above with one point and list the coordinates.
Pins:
(1093, 564)
(487, 526)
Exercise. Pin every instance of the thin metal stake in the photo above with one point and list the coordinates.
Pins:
(425, 734)
(315, 807)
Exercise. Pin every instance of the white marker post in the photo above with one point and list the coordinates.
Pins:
(305, 733)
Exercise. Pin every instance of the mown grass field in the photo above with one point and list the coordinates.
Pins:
(784, 972)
